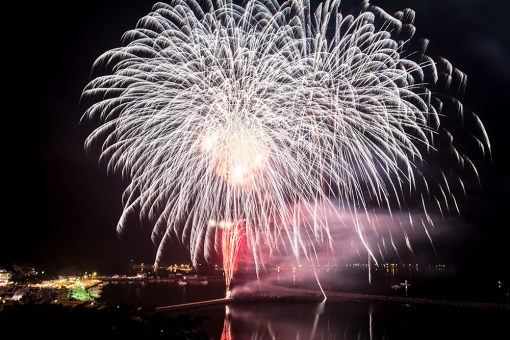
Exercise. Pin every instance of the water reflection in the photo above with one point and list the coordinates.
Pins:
(226, 334)
(311, 321)
(183, 294)
(291, 321)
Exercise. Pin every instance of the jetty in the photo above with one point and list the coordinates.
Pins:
(195, 305)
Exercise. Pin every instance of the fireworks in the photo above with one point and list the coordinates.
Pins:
(263, 113)
(231, 239)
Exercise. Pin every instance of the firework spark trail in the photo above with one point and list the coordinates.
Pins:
(254, 113)
(232, 235)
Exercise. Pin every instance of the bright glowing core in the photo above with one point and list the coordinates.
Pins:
(237, 158)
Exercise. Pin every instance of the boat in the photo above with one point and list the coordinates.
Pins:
(204, 282)
(396, 286)
(182, 282)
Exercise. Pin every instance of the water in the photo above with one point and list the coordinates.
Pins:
(353, 321)
(444, 283)
(311, 320)
(159, 293)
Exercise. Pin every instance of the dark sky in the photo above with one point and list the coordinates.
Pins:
(58, 200)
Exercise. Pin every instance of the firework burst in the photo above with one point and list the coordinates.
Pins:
(261, 113)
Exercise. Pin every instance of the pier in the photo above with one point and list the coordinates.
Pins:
(272, 291)
(194, 305)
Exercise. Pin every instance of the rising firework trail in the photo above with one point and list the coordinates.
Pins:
(232, 236)
(268, 114)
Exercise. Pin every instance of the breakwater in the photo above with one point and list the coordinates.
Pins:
(194, 305)
(271, 291)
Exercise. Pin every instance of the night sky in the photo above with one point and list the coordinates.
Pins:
(60, 206)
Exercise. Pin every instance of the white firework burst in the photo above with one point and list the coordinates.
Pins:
(262, 112)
